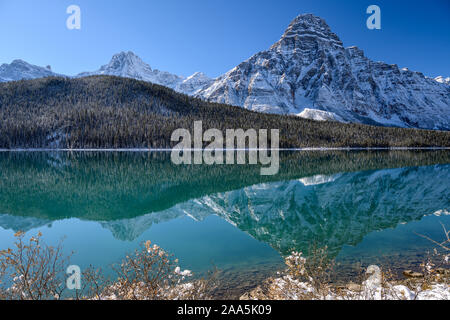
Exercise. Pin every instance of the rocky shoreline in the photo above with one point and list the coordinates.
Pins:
(236, 283)
(414, 286)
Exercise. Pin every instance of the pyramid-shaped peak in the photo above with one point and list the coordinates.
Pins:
(310, 19)
(125, 62)
(125, 54)
(126, 57)
(309, 25)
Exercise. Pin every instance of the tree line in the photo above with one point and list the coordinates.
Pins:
(114, 112)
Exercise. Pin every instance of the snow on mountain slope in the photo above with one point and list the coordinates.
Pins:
(21, 70)
(318, 179)
(309, 68)
(18, 223)
(441, 79)
(308, 73)
(335, 211)
(193, 84)
(319, 115)
(129, 65)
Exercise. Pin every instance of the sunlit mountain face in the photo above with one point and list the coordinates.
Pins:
(360, 205)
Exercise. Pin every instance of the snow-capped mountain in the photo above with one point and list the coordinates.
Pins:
(307, 73)
(309, 69)
(129, 65)
(18, 223)
(21, 70)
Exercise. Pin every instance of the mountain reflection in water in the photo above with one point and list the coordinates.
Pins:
(329, 198)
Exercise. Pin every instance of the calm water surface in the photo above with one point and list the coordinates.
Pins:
(365, 206)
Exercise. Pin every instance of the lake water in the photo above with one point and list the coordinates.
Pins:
(365, 206)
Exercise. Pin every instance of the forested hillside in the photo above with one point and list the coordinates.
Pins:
(113, 112)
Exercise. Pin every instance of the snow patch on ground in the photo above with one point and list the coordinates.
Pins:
(318, 179)
(319, 115)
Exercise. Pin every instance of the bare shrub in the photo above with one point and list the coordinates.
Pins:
(94, 285)
(149, 274)
(317, 271)
(33, 270)
(312, 279)
(430, 271)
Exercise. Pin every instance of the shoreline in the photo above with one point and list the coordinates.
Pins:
(237, 281)
(275, 149)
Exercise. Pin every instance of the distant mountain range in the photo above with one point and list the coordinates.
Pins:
(307, 73)
(129, 65)
(21, 70)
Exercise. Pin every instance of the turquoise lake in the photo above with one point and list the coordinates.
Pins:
(364, 206)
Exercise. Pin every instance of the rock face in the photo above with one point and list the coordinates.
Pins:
(21, 70)
(309, 68)
(129, 65)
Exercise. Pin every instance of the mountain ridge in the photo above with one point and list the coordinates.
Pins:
(307, 73)
(129, 65)
(21, 70)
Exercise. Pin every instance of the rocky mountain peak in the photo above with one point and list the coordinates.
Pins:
(126, 64)
(19, 63)
(129, 65)
(305, 29)
(126, 57)
(309, 73)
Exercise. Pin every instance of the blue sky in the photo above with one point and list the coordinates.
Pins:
(213, 36)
